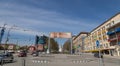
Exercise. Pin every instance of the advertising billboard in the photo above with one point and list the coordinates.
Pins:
(60, 35)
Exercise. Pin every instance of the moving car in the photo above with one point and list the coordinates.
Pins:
(22, 54)
(5, 57)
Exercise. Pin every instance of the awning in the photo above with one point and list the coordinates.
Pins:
(98, 50)
(91, 51)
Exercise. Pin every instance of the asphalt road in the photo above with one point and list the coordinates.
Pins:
(62, 60)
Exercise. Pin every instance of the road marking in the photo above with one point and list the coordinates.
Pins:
(41, 61)
(81, 61)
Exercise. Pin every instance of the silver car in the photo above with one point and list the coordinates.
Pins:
(6, 57)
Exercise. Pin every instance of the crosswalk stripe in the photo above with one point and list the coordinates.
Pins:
(80, 61)
(40, 61)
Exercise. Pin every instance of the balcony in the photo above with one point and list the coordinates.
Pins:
(113, 39)
(103, 31)
(104, 37)
(99, 33)
(117, 22)
(95, 37)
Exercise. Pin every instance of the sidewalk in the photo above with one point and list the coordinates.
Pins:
(109, 56)
(106, 56)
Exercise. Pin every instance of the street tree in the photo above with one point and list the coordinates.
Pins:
(53, 44)
(66, 46)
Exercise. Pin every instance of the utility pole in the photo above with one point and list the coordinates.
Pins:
(71, 44)
(48, 51)
(71, 52)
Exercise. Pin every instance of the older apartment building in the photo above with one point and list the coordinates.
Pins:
(107, 34)
(78, 41)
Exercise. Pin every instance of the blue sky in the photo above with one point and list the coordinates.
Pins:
(45, 16)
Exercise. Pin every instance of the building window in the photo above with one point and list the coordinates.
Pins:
(113, 22)
(108, 25)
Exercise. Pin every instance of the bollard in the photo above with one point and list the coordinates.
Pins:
(23, 62)
(102, 60)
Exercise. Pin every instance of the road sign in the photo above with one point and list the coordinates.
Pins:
(97, 43)
(101, 63)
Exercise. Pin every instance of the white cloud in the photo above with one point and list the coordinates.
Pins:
(38, 19)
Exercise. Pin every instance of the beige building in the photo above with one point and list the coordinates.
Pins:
(78, 41)
(101, 33)
(114, 36)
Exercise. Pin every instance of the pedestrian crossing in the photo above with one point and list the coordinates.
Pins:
(41, 61)
(73, 61)
(81, 61)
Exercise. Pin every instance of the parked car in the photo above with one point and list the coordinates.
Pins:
(98, 56)
(5, 57)
(22, 54)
